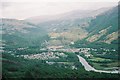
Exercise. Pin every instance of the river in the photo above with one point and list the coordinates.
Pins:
(90, 68)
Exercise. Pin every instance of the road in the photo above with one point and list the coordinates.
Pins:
(90, 68)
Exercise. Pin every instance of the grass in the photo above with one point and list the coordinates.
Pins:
(98, 66)
(102, 63)
(95, 59)
(114, 64)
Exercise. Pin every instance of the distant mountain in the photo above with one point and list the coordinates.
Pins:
(80, 18)
(75, 14)
(9, 25)
(18, 33)
(103, 30)
(106, 24)
(67, 28)
(76, 28)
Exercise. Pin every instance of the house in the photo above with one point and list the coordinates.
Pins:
(54, 47)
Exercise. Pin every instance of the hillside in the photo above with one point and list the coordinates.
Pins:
(18, 33)
(66, 28)
(52, 46)
(71, 15)
(103, 29)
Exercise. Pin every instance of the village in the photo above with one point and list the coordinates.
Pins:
(54, 52)
(85, 51)
(44, 55)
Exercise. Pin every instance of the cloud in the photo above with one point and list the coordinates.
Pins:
(22, 10)
(60, 0)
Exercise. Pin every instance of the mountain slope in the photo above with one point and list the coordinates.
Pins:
(71, 15)
(17, 33)
(69, 27)
(103, 31)
(106, 23)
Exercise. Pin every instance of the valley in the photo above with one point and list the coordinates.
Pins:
(65, 59)
(68, 45)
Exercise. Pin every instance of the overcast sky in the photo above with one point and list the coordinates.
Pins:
(22, 9)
